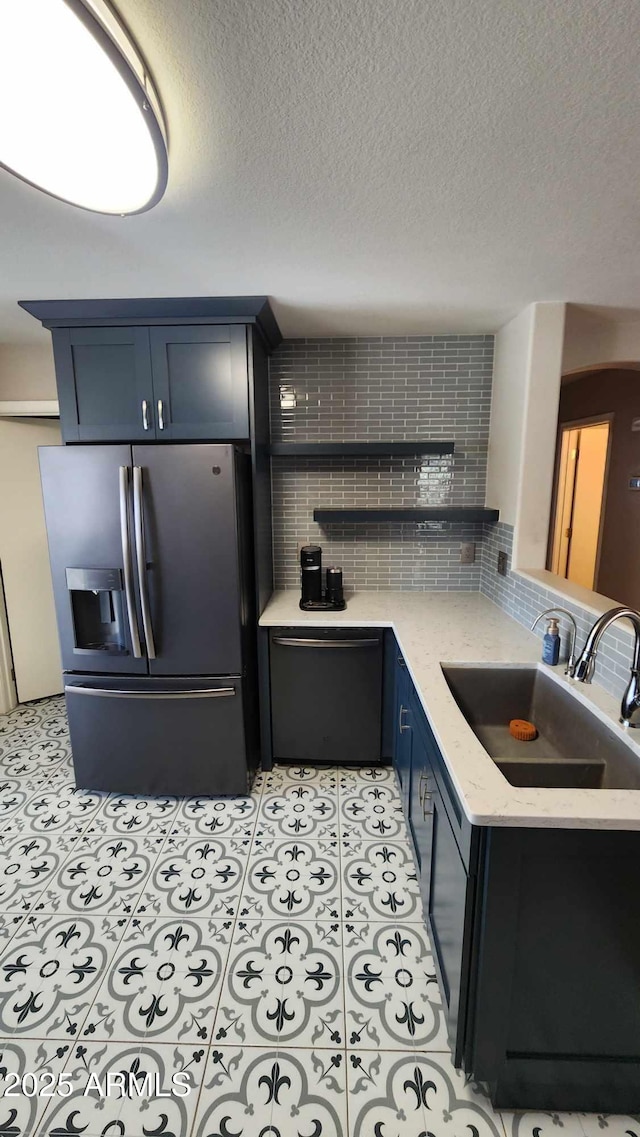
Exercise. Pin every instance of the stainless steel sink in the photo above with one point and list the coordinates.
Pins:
(574, 749)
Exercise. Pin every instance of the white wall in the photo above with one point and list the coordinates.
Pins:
(535, 486)
(524, 412)
(508, 401)
(27, 372)
(24, 558)
(8, 693)
(529, 365)
(594, 339)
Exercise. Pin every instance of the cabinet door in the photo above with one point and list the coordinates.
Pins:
(200, 382)
(447, 888)
(402, 742)
(420, 800)
(104, 384)
(448, 895)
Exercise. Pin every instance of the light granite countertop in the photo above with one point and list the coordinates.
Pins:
(433, 628)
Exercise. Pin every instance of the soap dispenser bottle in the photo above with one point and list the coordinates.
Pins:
(551, 643)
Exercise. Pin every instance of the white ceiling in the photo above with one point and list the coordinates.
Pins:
(375, 166)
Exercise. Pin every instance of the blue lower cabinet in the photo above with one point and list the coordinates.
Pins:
(447, 886)
(535, 936)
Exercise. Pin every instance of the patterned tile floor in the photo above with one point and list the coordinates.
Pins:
(266, 953)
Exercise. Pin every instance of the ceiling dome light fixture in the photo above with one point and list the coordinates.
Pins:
(80, 117)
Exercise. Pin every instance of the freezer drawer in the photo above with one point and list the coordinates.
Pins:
(146, 736)
(326, 694)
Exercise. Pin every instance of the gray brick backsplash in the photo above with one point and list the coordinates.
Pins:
(524, 599)
(390, 389)
(398, 389)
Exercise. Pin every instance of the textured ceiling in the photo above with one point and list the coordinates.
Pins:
(375, 166)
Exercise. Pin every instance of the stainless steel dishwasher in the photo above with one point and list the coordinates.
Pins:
(326, 694)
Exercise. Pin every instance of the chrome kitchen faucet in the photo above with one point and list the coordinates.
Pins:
(584, 668)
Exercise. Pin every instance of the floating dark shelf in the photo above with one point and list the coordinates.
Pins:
(437, 513)
(358, 449)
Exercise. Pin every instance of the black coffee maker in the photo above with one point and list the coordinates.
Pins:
(314, 598)
(311, 574)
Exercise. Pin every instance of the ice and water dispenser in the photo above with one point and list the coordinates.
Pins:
(97, 609)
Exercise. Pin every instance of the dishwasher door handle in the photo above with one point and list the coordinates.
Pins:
(286, 641)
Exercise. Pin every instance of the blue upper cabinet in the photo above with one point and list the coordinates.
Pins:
(200, 382)
(170, 368)
(159, 383)
(105, 386)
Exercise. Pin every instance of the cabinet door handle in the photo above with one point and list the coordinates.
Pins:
(160, 414)
(402, 726)
(145, 415)
(426, 812)
(422, 787)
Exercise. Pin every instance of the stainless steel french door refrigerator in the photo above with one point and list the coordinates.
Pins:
(151, 559)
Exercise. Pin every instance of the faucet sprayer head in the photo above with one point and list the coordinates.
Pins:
(585, 667)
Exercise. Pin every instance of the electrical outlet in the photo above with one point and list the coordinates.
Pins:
(288, 397)
(467, 553)
(502, 563)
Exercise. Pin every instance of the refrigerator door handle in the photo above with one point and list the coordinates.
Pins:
(105, 693)
(127, 564)
(141, 561)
